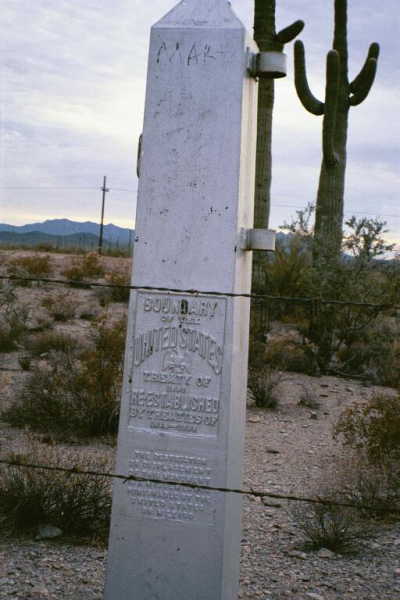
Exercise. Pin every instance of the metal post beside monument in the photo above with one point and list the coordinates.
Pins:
(183, 406)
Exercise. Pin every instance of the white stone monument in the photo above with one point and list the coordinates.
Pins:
(183, 407)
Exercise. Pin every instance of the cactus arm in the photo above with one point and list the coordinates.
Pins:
(289, 33)
(310, 103)
(369, 77)
(331, 106)
(362, 84)
(373, 52)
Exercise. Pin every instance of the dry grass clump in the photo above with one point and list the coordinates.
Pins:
(30, 267)
(61, 306)
(329, 525)
(43, 343)
(85, 268)
(76, 391)
(263, 383)
(308, 397)
(77, 504)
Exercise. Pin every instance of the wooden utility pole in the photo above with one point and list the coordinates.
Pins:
(104, 189)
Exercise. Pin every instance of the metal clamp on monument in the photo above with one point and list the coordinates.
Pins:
(183, 405)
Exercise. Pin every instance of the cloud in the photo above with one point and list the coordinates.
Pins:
(72, 96)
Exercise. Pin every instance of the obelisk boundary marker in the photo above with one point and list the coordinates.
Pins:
(183, 406)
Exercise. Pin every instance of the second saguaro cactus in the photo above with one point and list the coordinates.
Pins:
(341, 94)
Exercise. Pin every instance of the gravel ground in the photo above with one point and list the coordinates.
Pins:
(288, 450)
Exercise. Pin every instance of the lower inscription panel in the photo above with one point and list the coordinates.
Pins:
(171, 502)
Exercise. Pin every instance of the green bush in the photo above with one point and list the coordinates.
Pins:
(78, 504)
(288, 274)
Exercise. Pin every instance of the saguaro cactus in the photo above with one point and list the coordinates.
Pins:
(268, 40)
(341, 94)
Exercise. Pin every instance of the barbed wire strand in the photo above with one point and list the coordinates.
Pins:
(196, 486)
(126, 478)
(305, 300)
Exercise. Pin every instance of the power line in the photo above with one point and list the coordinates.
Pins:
(47, 188)
(346, 212)
(131, 191)
(63, 188)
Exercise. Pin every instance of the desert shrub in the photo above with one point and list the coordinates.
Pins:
(308, 397)
(288, 274)
(290, 356)
(45, 247)
(86, 267)
(46, 342)
(371, 431)
(329, 525)
(75, 393)
(119, 293)
(25, 362)
(30, 267)
(373, 427)
(374, 353)
(119, 278)
(263, 384)
(373, 487)
(337, 330)
(29, 498)
(13, 319)
(61, 306)
(89, 312)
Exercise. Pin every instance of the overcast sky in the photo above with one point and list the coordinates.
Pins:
(72, 96)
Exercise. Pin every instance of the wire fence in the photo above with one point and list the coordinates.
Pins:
(266, 297)
(263, 301)
(196, 486)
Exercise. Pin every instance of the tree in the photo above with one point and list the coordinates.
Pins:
(340, 96)
(364, 240)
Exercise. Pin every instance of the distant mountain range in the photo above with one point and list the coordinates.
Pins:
(64, 233)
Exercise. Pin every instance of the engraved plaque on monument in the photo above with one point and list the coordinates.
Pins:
(183, 404)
